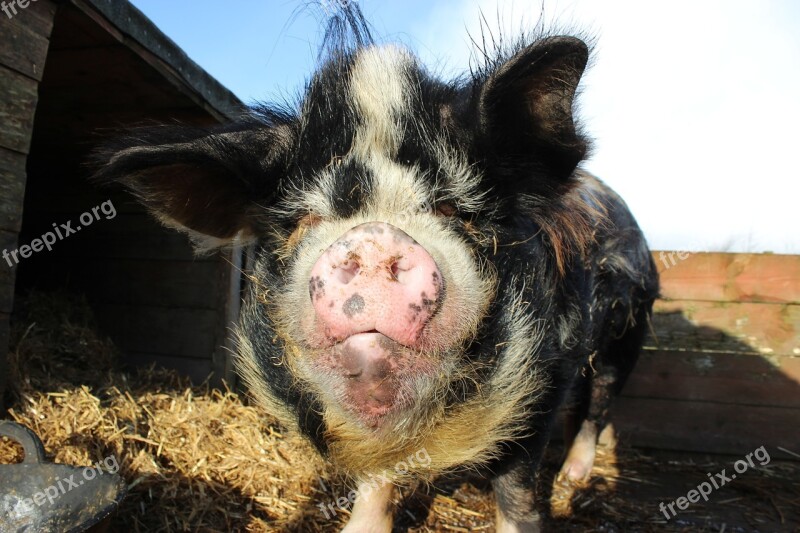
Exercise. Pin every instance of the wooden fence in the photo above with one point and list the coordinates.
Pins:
(721, 369)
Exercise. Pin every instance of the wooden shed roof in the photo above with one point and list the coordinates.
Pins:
(130, 27)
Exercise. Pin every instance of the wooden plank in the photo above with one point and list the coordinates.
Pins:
(5, 334)
(790, 366)
(12, 189)
(18, 98)
(22, 49)
(8, 241)
(6, 292)
(131, 28)
(229, 302)
(724, 277)
(160, 330)
(704, 426)
(197, 369)
(727, 327)
(722, 378)
(38, 17)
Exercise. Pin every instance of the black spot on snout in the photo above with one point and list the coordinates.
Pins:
(353, 305)
(316, 287)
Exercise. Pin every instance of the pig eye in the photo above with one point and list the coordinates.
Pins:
(446, 209)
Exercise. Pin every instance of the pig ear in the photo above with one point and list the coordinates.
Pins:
(527, 110)
(213, 185)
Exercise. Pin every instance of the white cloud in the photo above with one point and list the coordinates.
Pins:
(694, 106)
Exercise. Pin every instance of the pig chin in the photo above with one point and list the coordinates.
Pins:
(369, 371)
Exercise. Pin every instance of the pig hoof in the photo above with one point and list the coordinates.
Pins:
(578, 465)
(358, 526)
(372, 512)
(575, 471)
(580, 458)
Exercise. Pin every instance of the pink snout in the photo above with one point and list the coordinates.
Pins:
(375, 278)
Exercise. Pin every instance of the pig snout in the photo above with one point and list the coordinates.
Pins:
(368, 360)
(375, 278)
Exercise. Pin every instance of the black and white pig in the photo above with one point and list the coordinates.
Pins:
(434, 271)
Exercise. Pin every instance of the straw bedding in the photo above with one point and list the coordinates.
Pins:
(200, 459)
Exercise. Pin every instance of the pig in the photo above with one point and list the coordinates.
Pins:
(434, 273)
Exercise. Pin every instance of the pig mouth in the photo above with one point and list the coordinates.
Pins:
(371, 371)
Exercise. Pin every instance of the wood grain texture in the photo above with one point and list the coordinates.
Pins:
(12, 189)
(18, 98)
(705, 427)
(22, 48)
(721, 277)
(737, 379)
(722, 374)
(38, 17)
(726, 327)
(8, 241)
(5, 332)
(229, 303)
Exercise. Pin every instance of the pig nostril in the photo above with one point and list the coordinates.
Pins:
(399, 269)
(346, 271)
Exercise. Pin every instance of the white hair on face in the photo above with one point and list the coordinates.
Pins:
(461, 184)
(469, 434)
(383, 93)
(380, 88)
(399, 195)
(383, 97)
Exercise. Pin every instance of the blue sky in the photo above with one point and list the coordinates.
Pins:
(694, 106)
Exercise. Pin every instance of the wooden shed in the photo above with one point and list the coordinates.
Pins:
(68, 71)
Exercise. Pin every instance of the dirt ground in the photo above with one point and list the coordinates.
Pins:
(198, 459)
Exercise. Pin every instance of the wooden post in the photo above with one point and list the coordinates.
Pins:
(24, 41)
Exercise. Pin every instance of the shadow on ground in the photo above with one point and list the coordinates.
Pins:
(196, 459)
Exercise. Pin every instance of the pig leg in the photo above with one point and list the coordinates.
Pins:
(372, 511)
(515, 492)
(611, 369)
(515, 482)
(582, 446)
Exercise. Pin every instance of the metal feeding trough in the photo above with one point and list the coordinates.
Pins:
(37, 496)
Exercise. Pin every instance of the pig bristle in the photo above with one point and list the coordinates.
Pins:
(504, 402)
(537, 265)
(471, 435)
